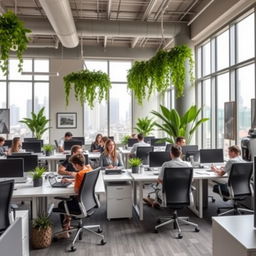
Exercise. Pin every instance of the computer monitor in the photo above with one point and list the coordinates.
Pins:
(34, 140)
(211, 155)
(158, 142)
(187, 148)
(11, 168)
(30, 161)
(68, 144)
(195, 154)
(132, 141)
(85, 156)
(148, 139)
(7, 143)
(79, 139)
(32, 146)
(156, 159)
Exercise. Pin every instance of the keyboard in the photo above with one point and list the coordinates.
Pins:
(113, 171)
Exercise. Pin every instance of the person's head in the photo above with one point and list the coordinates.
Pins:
(78, 161)
(98, 138)
(16, 144)
(140, 137)
(68, 136)
(175, 151)
(134, 136)
(104, 139)
(234, 151)
(180, 141)
(2, 140)
(76, 149)
(110, 146)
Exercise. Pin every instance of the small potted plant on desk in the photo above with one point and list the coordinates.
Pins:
(48, 149)
(37, 174)
(41, 232)
(135, 164)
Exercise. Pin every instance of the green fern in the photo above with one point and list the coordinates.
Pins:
(145, 126)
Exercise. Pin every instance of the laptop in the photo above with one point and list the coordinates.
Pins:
(113, 171)
(57, 184)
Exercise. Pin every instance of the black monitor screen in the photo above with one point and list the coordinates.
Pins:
(79, 139)
(30, 161)
(11, 168)
(156, 159)
(85, 156)
(195, 154)
(158, 142)
(34, 146)
(187, 148)
(211, 155)
(34, 140)
(68, 144)
(8, 143)
(131, 142)
(148, 139)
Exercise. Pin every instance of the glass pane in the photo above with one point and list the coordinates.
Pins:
(41, 66)
(2, 95)
(246, 91)
(41, 99)
(245, 38)
(120, 111)
(199, 63)
(207, 113)
(223, 50)
(13, 69)
(206, 59)
(97, 65)
(118, 70)
(20, 106)
(222, 96)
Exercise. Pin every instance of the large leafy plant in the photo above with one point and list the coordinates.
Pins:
(145, 125)
(37, 123)
(12, 36)
(158, 73)
(88, 86)
(175, 125)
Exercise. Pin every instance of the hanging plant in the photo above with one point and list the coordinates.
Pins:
(12, 37)
(159, 72)
(88, 86)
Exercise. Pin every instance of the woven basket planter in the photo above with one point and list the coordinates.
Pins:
(41, 238)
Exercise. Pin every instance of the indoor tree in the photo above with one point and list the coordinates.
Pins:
(145, 126)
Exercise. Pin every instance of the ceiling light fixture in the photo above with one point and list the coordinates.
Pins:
(41, 73)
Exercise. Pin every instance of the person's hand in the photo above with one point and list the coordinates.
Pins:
(73, 174)
(214, 168)
(110, 167)
(65, 180)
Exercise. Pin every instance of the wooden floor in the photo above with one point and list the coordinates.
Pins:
(136, 238)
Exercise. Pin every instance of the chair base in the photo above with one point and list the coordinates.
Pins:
(175, 220)
(235, 210)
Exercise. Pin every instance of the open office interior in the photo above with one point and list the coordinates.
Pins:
(110, 36)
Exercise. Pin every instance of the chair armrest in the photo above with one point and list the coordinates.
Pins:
(63, 198)
(13, 208)
(193, 188)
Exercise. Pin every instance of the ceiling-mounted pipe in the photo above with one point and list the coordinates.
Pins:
(60, 16)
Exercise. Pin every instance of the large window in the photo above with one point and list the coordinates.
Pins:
(226, 64)
(24, 94)
(111, 118)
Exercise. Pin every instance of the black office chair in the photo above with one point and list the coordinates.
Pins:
(6, 190)
(87, 201)
(237, 188)
(143, 153)
(176, 190)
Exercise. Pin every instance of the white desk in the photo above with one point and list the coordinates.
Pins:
(233, 236)
(39, 195)
(148, 177)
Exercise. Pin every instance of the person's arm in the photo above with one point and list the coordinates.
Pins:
(63, 171)
(120, 161)
(161, 175)
(61, 145)
(218, 171)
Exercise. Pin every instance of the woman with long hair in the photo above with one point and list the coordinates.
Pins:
(96, 146)
(110, 158)
(16, 146)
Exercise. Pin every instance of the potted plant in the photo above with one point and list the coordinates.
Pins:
(37, 176)
(37, 123)
(12, 37)
(175, 125)
(145, 126)
(88, 86)
(124, 140)
(41, 232)
(135, 164)
(48, 149)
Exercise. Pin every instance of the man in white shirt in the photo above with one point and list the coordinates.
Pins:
(140, 143)
(68, 136)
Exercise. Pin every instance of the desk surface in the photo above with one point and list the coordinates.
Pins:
(61, 156)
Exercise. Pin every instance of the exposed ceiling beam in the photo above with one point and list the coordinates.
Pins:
(109, 8)
(134, 42)
(168, 44)
(105, 41)
(189, 8)
(2, 9)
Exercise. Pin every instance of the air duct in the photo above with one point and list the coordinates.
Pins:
(60, 16)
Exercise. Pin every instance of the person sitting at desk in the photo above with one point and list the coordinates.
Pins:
(110, 158)
(180, 141)
(78, 162)
(65, 167)
(97, 146)
(68, 136)
(16, 146)
(2, 149)
(140, 143)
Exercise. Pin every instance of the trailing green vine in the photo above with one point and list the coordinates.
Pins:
(12, 36)
(159, 72)
(88, 86)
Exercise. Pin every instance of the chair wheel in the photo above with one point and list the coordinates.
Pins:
(179, 236)
(72, 249)
(102, 242)
(156, 230)
(99, 230)
(197, 229)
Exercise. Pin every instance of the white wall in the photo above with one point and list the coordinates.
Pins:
(57, 97)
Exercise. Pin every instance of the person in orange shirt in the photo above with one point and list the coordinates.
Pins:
(78, 162)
